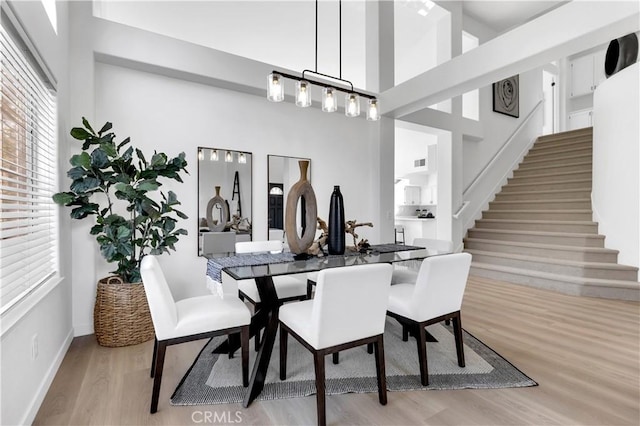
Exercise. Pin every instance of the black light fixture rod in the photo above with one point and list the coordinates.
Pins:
(316, 35)
(323, 84)
(340, 34)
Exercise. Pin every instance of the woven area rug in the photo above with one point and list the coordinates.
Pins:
(216, 379)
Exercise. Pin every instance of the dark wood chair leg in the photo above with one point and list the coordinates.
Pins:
(320, 388)
(370, 348)
(405, 333)
(157, 375)
(336, 357)
(309, 288)
(457, 332)
(421, 340)
(380, 372)
(244, 343)
(284, 335)
(153, 358)
(256, 341)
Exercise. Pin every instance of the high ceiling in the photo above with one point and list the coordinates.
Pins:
(502, 15)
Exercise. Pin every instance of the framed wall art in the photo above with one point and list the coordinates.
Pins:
(506, 96)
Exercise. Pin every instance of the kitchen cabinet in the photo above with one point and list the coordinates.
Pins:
(412, 195)
(586, 73)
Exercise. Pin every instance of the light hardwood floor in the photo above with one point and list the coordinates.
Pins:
(583, 352)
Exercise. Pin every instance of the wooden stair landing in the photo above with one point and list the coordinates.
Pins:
(539, 232)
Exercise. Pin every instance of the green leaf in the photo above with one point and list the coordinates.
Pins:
(99, 158)
(80, 133)
(83, 185)
(81, 160)
(158, 160)
(77, 172)
(87, 126)
(148, 185)
(96, 229)
(172, 198)
(109, 149)
(181, 215)
(108, 251)
(141, 157)
(63, 198)
(123, 232)
(107, 126)
(84, 211)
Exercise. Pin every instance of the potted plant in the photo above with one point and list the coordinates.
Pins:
(113, 183)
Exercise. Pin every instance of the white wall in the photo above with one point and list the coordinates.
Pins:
(25, 381)
(175, 114)
(616, 163)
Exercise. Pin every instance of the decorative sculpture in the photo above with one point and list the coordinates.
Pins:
(217, 226)
(301, 189)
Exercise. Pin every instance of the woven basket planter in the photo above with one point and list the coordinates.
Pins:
(121, 314)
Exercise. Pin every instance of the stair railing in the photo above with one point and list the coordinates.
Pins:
(469, 189)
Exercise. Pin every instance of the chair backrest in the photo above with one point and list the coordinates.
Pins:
(440, 285)
(161, 302)
(272, 246)
(276, 234)
(350, 303)
(218, 242)
(440, 245)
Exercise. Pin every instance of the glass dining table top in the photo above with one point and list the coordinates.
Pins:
(274, 264)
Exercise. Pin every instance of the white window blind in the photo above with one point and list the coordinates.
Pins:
(27, 177)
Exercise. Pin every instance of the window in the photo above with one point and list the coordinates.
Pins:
(28, 218)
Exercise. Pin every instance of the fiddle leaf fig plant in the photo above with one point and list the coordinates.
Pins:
(106, 175)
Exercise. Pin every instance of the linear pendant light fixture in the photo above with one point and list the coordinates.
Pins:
(275, 87)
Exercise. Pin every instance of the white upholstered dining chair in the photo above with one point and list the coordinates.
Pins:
(338, 318)
(189, 319)
(435, 296)
(407, 273)
(288, 287)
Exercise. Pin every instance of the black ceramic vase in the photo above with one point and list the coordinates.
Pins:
(336, 222)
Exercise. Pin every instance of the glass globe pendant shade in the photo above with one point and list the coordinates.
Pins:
(275, 88)
(373, 113)
(352, 105)
(228, 157)
(214, 155)
(303, 94)
(329, 100)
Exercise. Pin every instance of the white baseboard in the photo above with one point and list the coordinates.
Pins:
(82, 329)
(46, 381)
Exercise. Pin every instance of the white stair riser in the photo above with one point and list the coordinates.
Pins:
(562, 240)
(541, 205)
(550, 252)
(550, 178)
(546, 215)
(544, 196)
(536, 171)
(620, 274)
(591, 228)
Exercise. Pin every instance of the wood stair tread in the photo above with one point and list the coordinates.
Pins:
(555, 166)
(531, 159)
(544, 246)
(555, 261)
(550, 201)
(569, 173)
(547, 191)
(541, 221)
(542, 233)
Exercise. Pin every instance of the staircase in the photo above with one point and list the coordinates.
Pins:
(539, 230)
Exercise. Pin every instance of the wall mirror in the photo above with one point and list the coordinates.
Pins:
(224, 194)
(283, 172)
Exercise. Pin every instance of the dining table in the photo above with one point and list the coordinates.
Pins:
(262, 267)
